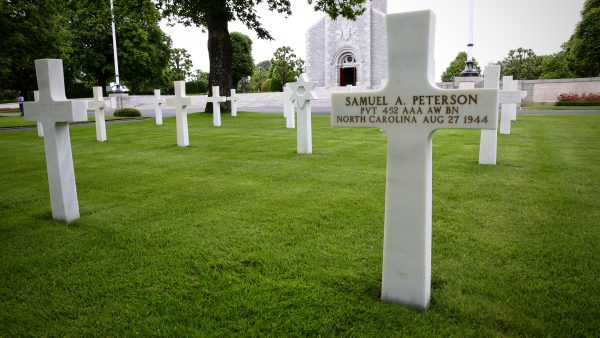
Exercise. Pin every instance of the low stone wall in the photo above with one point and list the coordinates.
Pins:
(546, 91)
(538, 91)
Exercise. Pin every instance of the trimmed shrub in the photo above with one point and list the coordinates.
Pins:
(571, 99)
(9, 95)
(196, 87)
(276, 85)
(266, 86)
(127, 112)
(577, 103)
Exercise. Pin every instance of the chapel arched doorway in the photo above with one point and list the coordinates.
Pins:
(347, 69)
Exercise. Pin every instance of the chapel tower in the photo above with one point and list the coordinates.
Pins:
(341, 52)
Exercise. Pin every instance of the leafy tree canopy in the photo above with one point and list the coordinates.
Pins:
(285, 67)
(522, 64)
(259, 76)
(243, 63)
(583, 49)
(214, 15)
(180, 63)
(200, 13)
(457, 66)
(31, 30)
(143, 48)
(555, 66)
(266, 64)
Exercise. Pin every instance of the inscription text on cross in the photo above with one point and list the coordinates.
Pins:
(409, 109)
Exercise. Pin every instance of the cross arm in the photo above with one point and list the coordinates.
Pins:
(59, 111)
(176, 101)
(428, 108)
(511, 96)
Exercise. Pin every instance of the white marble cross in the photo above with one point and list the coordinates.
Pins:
(181, 102)
(509, 97)
(488, 141)
(410, 108)
(158, 102)
(216, 99)
(40, 128)
(99, 105)
(288, 107)
(234, 99)
(55, 112)
(302, 95)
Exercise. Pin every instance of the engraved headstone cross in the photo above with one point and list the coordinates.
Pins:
(409, 109)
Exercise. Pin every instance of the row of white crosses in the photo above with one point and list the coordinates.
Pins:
(403, 109)
(159, 101)
(53, 113)
(181, 102)
(508, 97)
(509, 104)
(97, 103)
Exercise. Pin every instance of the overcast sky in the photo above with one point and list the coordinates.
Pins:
(500, 25)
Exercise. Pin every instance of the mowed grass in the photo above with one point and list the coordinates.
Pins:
(555, 107)
(239, 235)
(19, 121)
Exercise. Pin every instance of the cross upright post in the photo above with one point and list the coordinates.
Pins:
(158, 102)
(409, 109)
(288, 107)
(55, 112)
(216, 101)
(40, 128)
(509, 97)
(181, 102)
(234, 99)
(488, 141)
(99, 105)
(302, 95)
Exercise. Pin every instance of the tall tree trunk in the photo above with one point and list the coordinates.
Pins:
(220, 55)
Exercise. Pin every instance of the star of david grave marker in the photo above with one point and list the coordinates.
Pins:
(55, 112)
(409, 109)
(216, 101)
(234, 99)
(181, 102)
(302, 95)
(99, 105)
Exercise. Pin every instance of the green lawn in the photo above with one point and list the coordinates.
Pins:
(19, 121)
(237, 235)
(553, 107)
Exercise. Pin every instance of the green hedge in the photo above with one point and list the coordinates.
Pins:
(127, 112)
(577, 103)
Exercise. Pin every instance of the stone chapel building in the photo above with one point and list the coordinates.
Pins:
(343, 52)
